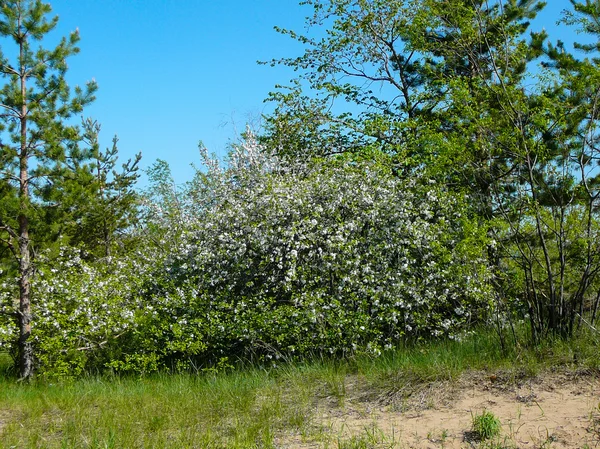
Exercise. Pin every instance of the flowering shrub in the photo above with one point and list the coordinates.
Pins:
(335, 257)
(80, 312)
(257, 259)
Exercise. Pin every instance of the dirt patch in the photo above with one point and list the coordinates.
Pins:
(559, 411)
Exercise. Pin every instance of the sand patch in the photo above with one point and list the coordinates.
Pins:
(559, 411)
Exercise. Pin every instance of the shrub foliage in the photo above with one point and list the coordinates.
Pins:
(257, 259)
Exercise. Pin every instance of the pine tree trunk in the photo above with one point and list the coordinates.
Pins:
(25, 347)
(25, 269)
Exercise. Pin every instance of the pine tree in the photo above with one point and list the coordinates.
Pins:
(108, 204)
(40, 147)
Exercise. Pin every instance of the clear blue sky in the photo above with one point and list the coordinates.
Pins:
(174, 72)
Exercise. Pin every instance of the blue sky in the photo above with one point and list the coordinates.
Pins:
(174, 72)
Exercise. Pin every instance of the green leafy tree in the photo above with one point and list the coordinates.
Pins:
(408, 77)
(40, 147)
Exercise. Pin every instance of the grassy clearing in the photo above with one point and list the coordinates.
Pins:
(252, 407)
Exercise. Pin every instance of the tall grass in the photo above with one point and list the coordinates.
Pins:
(250, 407)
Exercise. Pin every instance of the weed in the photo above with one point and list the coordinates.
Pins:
(486, 425)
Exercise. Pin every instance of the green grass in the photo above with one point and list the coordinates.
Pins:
(237, 410)
(252, 407)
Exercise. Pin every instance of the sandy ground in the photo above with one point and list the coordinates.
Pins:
(556, 411)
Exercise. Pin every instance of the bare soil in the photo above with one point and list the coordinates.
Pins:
(553, 410)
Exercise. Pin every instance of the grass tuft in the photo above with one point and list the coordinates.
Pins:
(485, 426)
